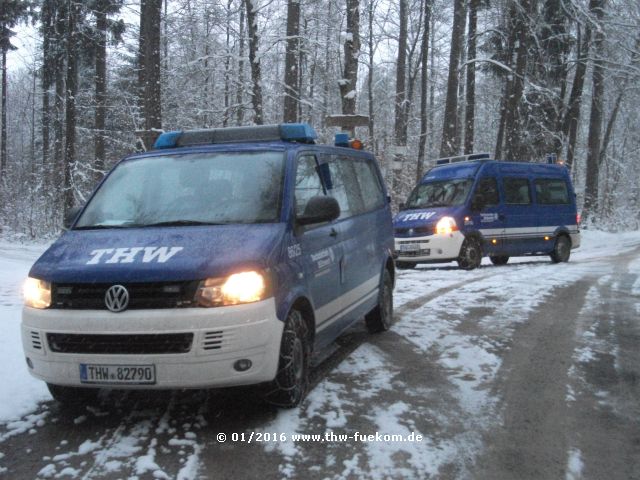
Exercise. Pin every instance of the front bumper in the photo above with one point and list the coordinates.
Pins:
(432, 248)
(250, 331)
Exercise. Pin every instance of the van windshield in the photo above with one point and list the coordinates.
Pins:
(442, 193)
(190, 189)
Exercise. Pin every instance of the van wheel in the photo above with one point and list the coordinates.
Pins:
(405, 265)
(470, 254)
(289, 387)
(561, 250)
(380, 318)
(499, 259)
(72, 396)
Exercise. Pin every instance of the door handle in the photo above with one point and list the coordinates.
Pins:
(333, 233)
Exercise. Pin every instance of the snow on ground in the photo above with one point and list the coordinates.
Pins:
(23, 393)
(463, 322)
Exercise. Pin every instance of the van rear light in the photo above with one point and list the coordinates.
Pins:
(578, 218)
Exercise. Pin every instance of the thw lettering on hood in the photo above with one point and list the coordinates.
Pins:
(133, 254)
(417, 216)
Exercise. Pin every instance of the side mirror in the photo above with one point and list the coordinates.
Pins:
(478, 202)
(319, 209)
(70, 217)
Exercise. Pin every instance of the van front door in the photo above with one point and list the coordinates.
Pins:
(489, 218)
(321, 251)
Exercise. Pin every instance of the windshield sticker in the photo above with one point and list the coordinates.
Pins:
(133, 254)
(417, 216)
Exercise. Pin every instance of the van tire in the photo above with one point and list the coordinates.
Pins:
(405, 265)
(290, 386)
(380, 318)
(561, 250)
(470, 254)
(499, 259)
(72, 396)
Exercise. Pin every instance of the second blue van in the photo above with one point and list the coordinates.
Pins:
(469, 207)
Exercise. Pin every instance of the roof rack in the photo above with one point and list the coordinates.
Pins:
(288, 132)
(463, 158)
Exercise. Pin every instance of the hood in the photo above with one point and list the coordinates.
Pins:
(158, 254)
(424, 216)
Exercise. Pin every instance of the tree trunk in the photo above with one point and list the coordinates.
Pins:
(254, 60)
(596, 7)
(424, 92)
(572, 115)
(101, 91)
(370, 14)
(349, 81)
(401, 82)
(150, 18)
(240, 89)
(449, 146)
(70, 104)
(470, 100)
(3, 135)
(291, 87)
(512, 115)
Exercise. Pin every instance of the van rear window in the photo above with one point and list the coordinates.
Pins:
(552, 191)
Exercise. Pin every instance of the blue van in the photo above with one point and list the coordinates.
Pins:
(222, 257)
(470, 206)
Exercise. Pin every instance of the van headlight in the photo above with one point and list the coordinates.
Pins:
(446, 225)
(37, 293)
(243, 287)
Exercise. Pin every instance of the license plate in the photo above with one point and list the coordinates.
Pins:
(118, 374)
(409, 247)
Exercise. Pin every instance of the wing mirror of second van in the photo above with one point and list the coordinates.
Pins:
(319, 209)
(478, 202)
(70, 217)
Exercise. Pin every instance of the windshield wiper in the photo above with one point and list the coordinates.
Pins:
(99, 226)
(179, 223)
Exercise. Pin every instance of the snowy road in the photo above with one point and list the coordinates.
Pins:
(530, 370)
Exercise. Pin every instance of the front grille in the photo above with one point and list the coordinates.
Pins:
(90, 296)
(134, 344)
(422, 231)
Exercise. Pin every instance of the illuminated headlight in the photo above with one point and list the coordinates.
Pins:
(37, 293)
(446, 225)
(244, 287)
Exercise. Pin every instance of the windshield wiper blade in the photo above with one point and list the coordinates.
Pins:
(179, 223)
(103, 225)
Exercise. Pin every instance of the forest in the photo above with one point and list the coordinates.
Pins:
(85, 83)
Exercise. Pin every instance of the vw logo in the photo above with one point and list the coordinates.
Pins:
(117, 298)
(411, 231)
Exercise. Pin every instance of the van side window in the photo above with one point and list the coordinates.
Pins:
(488, 187)
(345, 188)
(370, 187)
(308, 183)
(516, 191)
(551, 191)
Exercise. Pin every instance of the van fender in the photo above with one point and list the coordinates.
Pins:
(298, 298)
(563, 230)
(477, 236)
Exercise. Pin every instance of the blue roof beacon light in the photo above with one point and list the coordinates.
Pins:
(298, 132)
(342, 139)
(287, 132)
(167, 139)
